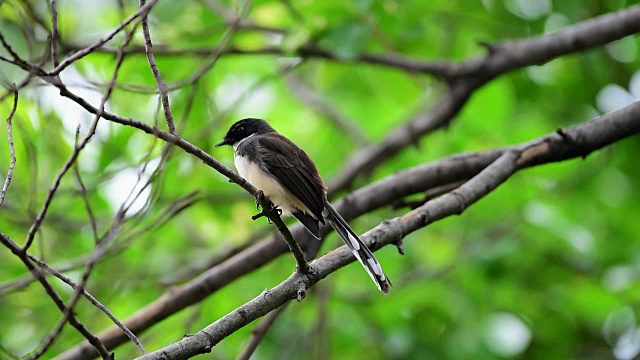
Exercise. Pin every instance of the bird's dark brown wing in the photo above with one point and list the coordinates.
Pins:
(294, 169)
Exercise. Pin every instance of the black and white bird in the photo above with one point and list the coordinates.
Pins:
(289, 178)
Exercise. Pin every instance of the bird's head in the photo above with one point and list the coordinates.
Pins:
(244, 128)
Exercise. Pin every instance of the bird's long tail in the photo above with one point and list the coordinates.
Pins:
(358, 248)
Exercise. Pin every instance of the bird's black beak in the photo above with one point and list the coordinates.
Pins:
(222, 142)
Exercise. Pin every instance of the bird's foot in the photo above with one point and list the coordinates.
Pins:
(267, 212)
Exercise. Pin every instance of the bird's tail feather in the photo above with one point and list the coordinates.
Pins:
(358, 248)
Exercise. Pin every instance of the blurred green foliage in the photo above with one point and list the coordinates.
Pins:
(545, 267)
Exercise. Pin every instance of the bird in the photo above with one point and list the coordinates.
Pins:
(290, 179)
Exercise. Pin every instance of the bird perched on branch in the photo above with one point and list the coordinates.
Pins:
(289, 178)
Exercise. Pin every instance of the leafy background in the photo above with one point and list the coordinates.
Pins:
(546, 267)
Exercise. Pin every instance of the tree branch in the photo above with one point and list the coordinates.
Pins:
(54, 32)
(577, 141)
(472, 74)
(95, 342)
(12, 150)
(270, 212)
(502, 58)
(142, 12)
(162, 86)
(260, 331)
(573, 142)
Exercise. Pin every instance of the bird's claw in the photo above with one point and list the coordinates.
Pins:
(266, 213)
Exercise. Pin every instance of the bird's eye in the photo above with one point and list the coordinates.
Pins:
(241, 128)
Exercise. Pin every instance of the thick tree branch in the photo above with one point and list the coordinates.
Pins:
(259, 332)
(462, 81)
(576, 141)
(570, 143)
(468, 76)
(501, 58)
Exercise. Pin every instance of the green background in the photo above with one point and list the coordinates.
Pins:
(545, 267)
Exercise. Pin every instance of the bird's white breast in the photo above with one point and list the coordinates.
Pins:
(282, 198)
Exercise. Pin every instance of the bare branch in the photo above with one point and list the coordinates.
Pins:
(504, 57)
(460, 86)
(466, 77)
(269, 210)
(54, 32)
(259, 332)
(78, 148)
(87, 295)
(85, 199)
(573, 142)
(162, 86)
(583, 139)
(12, 150)
(142, 11)
(73, 320)
(100, 249)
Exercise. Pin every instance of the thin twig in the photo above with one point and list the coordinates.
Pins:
(260, 331)
(73, 320)
(85, 199)
(87, 295)
(587, 137)
(101, 246)
(12, 163)
(37, 222)
(54, 32)
(270, 212)
(142, 11)
(176, 140)
(217, 51)
(483, 183)
(162, 86)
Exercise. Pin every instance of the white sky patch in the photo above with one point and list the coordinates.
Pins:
(506, 334)
(613, 97)
(634, 85)
(555, 22)
(125, 186)
(275, 39)
(621, 331)
(528, 9)
(581, 239)
(544, 74)
(539, 214)
(34, 116)
(628, 345)
(489, 5)
(70, 113)
(234, 88)
(545, 216)
(619, 278)
(624, 50)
